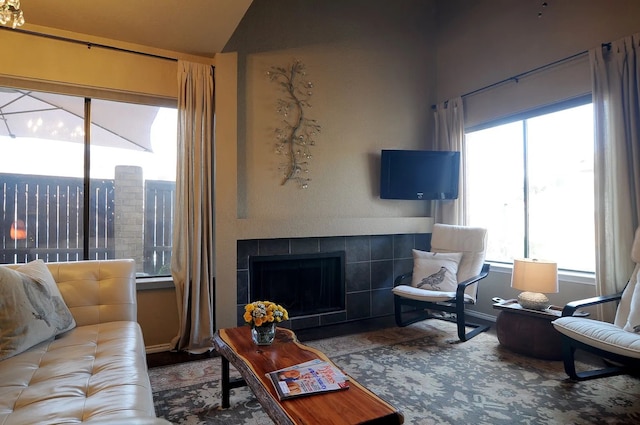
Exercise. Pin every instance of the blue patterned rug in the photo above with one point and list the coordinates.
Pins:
(432, 379)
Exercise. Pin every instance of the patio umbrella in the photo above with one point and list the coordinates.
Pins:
(50, 116)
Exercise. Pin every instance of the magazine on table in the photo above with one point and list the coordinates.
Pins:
(312, 377)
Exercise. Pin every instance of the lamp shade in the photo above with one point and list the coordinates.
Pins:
(533, 275)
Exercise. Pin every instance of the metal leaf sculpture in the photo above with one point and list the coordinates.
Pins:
(297, 133)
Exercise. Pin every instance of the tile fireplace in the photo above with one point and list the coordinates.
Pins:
(368, 265)
(307, 284)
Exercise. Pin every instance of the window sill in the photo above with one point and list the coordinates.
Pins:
(149, 283)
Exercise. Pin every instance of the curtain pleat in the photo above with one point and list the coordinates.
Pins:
(449, 136)
(192, 258)
(615, 77)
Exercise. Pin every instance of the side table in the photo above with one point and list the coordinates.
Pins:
(529, 332)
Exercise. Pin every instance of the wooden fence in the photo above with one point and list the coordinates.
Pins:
(50, 210)
(159, 201)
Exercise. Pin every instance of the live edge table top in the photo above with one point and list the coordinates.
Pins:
(356, 405)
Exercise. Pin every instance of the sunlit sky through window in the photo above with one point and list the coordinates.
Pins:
(23, 155)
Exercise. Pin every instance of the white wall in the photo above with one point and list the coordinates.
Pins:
(482, 42)
(373, 70)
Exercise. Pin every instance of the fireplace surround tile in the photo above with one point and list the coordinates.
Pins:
(305, 245)
(359, 305)
(372, 262)
(358, 249)
(382, 247)
(381, 303)
(402, 246)
(242, 286)
(382, 274)
(274, 246)
(333, 318)
(358, 276)
(330, 244)
(245, 249)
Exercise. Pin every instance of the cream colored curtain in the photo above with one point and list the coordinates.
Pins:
(616, 93)
(192, 258)
(449, 136)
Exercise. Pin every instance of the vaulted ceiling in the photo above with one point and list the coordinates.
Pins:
(196, 27)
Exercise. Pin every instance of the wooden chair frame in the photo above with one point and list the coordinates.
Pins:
(455, 305)
(617, 364)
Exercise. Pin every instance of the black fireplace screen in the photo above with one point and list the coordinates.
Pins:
(304, 284)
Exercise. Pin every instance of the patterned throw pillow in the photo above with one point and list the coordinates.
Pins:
(435, 271)
(31, 308)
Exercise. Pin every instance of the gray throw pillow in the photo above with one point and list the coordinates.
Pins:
(32, 309)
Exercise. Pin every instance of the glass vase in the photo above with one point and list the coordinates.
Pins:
(263, 335)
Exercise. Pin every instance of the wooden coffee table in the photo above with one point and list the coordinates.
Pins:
(356, 405)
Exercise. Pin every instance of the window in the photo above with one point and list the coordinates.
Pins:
(127, 161)
(530, 181)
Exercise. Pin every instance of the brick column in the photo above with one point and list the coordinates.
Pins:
(129, 219)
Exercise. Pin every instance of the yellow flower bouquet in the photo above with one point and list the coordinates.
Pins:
(263, 316)
(259, 313)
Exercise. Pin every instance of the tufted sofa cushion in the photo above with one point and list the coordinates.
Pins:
(93, 372)
(97, 291)
(96, 372)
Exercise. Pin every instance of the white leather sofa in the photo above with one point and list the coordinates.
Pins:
(94, 373)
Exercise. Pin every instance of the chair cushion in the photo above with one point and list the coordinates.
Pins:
(435, 271)
(624, 306)
(633, 319)
(635, 248)
(603, 335)
(410, 292)
(31, 308)
(470, 241)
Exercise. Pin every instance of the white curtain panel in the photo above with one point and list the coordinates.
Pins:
(192, 257)
(449, 136)
(616, 77)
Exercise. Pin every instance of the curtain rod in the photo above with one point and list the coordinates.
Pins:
(89, 44)
(531, 71)
(523, 74)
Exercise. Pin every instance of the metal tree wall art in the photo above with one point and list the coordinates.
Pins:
(296, 134)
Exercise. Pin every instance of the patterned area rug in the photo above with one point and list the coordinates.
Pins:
(426, 374)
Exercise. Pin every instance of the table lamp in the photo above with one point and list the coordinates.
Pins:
(535, 278)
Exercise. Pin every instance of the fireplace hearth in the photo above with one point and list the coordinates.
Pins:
(305, 284)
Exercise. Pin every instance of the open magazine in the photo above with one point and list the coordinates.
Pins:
(312, 377)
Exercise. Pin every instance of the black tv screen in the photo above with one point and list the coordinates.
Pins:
(417, 174)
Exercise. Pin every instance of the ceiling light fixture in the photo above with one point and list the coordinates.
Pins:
(10, 13)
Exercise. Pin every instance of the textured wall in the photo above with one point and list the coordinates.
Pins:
(373, 70)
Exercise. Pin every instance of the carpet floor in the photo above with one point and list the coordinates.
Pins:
(428, 375)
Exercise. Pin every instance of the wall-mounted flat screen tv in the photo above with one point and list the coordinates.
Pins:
(418, 174)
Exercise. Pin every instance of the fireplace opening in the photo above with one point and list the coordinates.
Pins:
(304, 284)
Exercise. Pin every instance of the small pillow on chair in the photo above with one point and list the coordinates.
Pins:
(31, 308)
(435, 271)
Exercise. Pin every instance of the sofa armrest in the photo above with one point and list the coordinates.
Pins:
(98, 291)
(573, 306)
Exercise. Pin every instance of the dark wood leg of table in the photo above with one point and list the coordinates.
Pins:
(228, 384)
(226, 387)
